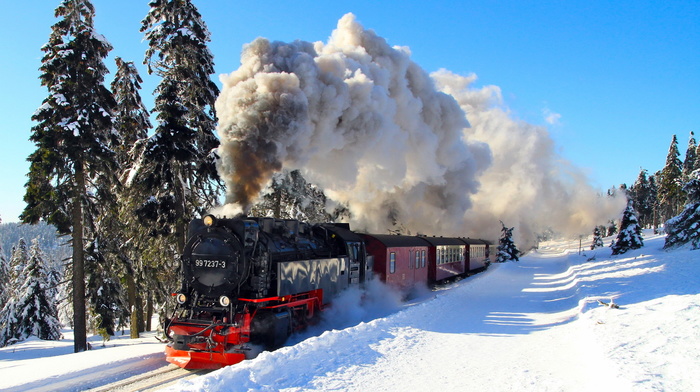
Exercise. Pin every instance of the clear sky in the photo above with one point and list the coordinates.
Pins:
(615, 79)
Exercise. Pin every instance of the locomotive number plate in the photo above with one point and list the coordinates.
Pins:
(210, 263)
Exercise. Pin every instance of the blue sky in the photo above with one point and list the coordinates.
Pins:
(621, 77)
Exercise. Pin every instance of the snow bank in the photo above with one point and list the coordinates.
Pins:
(52, 365)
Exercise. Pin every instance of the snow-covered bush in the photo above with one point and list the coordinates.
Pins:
(597, 238)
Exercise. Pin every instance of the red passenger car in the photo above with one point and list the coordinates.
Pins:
(447, 258)
(399, 260)
(479, 252)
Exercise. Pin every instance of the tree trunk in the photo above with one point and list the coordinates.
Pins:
(139, 308)
(278, 204)
(135, 311)
(149, 312)
(79, 320)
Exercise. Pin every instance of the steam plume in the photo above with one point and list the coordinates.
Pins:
(528, 185)
(376, 132)
(359, 118)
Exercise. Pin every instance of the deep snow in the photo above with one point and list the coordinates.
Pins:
(530, 325)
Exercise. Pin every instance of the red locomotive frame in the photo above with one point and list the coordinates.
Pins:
(220, 344)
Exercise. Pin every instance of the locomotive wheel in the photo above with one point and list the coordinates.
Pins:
(271, 328)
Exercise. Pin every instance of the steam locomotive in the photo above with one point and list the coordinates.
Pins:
(254, 281)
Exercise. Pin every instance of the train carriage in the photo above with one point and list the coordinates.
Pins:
(447, 258)
(399, 260)
(478, 253)
(492, 251)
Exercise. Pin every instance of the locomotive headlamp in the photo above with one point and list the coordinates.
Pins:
(181, 298)
(224, 300)
(209, 220)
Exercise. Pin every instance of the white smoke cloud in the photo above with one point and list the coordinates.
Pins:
(529, 185)
(376, 132)
(360, 119)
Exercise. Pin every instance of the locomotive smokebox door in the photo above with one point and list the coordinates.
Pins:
(215, 263)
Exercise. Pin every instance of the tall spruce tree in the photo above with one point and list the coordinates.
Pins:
(105, 293)
(18, 259)
(670, 191)
(178, 164)
(32, 311)
(131, 119)
(654, 190)
(643, 194)
(685, 227)
(630, 235)
(690, 156)
(176, 171)
(74, 124)
(506, 247)
(132, 124)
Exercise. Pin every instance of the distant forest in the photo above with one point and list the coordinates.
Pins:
(54, 247)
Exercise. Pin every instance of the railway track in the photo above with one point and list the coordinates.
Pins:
(151, 381)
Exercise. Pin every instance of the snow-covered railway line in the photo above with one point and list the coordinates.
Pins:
(153, 380)
(148, 373)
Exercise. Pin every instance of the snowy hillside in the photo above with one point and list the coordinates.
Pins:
(530, 325)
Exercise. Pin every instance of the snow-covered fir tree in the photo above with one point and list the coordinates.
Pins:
(685, 227)
(178, 165)
(127, 236)
(630, 235)
(131, 119)
(72, 138)
(643, 194)
(597, 238)
(670, 183)
(105, 293)
(32, 311)
(690, 156)
(18, 259)
(654, 201)
(506, 247)
(612, 228)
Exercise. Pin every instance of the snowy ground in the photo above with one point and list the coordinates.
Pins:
(532, 325)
